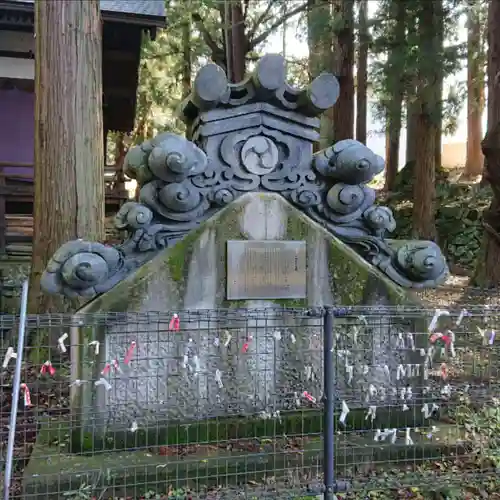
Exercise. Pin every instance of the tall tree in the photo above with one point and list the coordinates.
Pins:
(475, 88)
(187, 64)
(411, 88)
(390, 82)
(241, 29)
(427, 119)
(362, 71)
(319, 37)
(488, 265)
(439, 15)
(69, 156)
(392, 75)
(343, 65)
(411, 127)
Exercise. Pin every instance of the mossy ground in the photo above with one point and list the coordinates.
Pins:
(459, 208)
(233, 460)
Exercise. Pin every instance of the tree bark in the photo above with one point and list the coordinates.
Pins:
(362, 72)
(120, 153)
(237, 40)
(395, 106)
(186, 59)
(488, 264)
(438, 86)
(411, 130)
(69, 166)
(319, 38)
(426, 124)
(493, 64)
(393, 136)
(475, 94)
(186, 65)
(239, 43)
(343, 55)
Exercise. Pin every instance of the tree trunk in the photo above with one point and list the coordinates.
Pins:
(488, 265)
(362, 72)
(235, 42)
(411, 129)
(343, 54)
(120, 153)
(319, 37)
(69, 167)
(438, 86)
(395, 106)
(186, 65)
(285, 31)
(475, 94)
(393, 135)
(426, 124)
(239, 44)
(186, 59)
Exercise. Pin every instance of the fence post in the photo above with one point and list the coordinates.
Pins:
(331, 485)
(329, 405)
(16, 385)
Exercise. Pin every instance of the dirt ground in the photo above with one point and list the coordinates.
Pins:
(456, 292)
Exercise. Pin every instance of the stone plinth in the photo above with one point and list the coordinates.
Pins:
(173, 374)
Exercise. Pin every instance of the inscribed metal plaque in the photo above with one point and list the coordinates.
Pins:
(265, 269)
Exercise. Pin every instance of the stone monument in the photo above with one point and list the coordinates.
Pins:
(241, 216)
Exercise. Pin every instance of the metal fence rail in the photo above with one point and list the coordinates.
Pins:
(278, 403)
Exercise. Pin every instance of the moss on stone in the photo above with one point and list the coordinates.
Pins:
(296, 228)
(348, 272)
(168, 433)
(179, 256)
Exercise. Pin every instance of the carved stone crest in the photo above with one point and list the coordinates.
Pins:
(257, 135)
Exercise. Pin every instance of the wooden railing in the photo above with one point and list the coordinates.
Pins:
(16, 230)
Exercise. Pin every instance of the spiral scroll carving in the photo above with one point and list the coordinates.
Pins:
(380, 219)
(81, 268)
(179, 201)
(133, 216)
(254, 136)
(349, 161)
(347, 203)
(168, 157)
(421, 261)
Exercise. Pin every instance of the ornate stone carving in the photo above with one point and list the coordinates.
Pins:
(257, 135)
(80, 268)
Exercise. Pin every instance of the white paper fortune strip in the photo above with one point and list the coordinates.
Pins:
(372, 413)
(350, 372)
(411, 341)
(10, 354)
(461, 316)
(60, 342)
(102, 381)
(437, 314)
(345, 411)
(95, 344)
(408, 439)
(218, 378)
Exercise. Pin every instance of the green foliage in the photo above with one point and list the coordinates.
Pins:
(459, 209)
(400, 60)
(482, 427)
(160, 90)
(195, 34)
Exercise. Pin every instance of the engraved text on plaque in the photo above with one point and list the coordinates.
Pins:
(266, 269)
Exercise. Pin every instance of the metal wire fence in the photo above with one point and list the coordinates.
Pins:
(278, 403)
